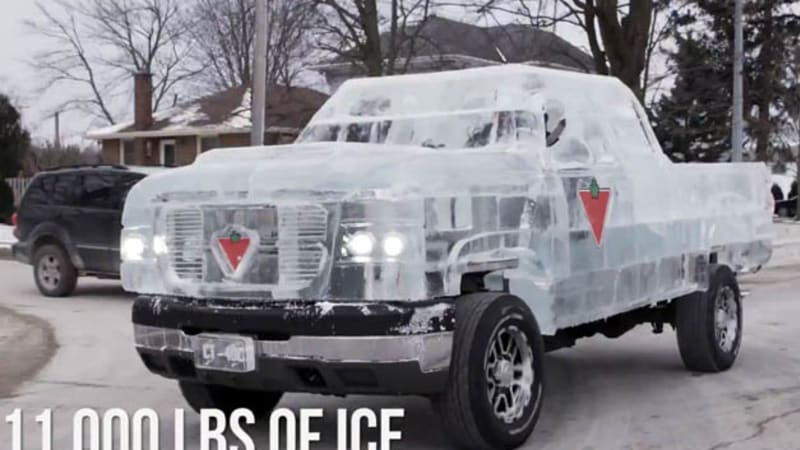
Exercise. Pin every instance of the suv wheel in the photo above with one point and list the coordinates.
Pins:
(53, 271)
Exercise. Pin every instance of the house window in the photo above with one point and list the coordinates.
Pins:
(168, 150)
(128, 153)
(209, 143)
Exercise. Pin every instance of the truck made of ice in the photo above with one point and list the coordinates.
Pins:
(436, 234)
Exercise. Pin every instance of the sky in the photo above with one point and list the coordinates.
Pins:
(18, 46)
(17, 78)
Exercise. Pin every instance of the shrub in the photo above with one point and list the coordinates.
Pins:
(6, 202)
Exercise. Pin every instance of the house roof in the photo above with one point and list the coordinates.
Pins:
(228, 111)
(511, 43)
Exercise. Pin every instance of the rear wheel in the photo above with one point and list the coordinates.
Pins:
(709, 324)
(494, 392)
(53, 271)
(203, 396)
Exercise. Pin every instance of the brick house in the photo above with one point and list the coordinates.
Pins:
(175, 136)
(439, 43)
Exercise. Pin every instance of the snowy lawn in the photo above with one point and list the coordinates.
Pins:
(6, 235)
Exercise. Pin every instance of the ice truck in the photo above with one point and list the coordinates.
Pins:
(435, 234)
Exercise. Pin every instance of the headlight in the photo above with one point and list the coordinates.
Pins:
(361, 243)
(132, 247)
(393, 245)
(160, 245)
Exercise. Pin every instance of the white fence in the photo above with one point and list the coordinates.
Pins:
(18, 185)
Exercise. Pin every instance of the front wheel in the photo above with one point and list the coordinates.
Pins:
(53, 271)
(204, 396)
(494, 393)
(709, 324)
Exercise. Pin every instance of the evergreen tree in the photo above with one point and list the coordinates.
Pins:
(692, 121)
(771, 29)
(14, 139)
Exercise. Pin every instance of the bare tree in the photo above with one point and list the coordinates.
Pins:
(45, 156)
(351, 30)
(620, 34)
(100, 43)
(223, 39)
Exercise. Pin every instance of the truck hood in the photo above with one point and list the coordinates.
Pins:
(335, 171)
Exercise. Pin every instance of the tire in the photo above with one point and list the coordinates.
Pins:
(783, 212)
(203, 396)
(709, 324)
(53, 271)
(469, 420)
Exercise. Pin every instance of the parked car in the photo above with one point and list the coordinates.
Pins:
(786, 208)
(68, 224)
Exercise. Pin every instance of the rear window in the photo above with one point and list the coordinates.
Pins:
(35, 194)
(55, 189)
(98, 189)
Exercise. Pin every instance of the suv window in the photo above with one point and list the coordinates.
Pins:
(35, 194)
(98, 190)
(123, 185)
(62, 189)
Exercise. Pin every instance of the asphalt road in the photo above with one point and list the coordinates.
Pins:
(630, 393)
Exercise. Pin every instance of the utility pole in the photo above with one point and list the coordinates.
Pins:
(555, 16)
(259, 83)
(57, 137)
(737, 133)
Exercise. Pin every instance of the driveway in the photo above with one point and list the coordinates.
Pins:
(631, 393)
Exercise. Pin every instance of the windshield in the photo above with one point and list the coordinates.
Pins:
(450, 131)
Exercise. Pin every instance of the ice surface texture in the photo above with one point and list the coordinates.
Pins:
(547, 183)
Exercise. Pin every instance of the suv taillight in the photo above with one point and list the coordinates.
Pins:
(15, 223)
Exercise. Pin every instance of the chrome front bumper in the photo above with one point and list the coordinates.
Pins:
(431, 351)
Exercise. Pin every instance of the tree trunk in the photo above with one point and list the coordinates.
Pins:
(766, 57)
(373, 56)
(797, 180)
(625, 40)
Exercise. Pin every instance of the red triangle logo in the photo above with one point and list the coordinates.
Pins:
(595, 204)
(234, 249)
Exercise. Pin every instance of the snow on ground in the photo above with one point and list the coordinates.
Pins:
(786, 244)
(6, 235)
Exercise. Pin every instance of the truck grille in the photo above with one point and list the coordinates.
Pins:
(184, 230)
(302, 232)
(292, 243)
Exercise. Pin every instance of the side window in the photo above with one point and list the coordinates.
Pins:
(98, 191)
(65, 189)
(35, 194)
(320, 133)
(122, 187)
(358, 132)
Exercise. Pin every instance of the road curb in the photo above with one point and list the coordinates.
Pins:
(27, 343)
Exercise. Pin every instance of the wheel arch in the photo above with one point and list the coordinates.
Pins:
(51, 234)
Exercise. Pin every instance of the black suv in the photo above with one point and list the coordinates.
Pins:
(68, 225)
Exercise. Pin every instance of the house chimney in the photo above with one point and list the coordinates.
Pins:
(142, 101)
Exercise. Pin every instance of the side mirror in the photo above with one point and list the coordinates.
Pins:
(554, 120)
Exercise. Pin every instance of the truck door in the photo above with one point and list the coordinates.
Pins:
(598, 209)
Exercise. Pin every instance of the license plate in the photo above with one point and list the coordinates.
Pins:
(224, 353)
